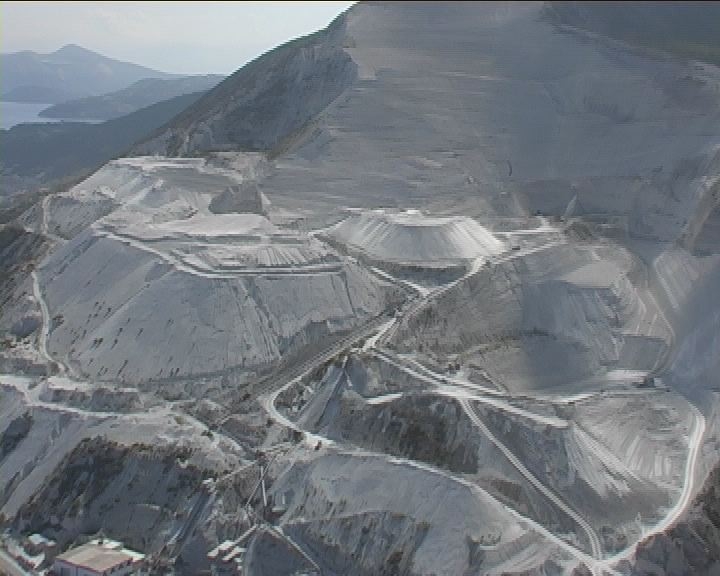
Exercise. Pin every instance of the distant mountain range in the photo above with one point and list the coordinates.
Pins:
(133, 100)
(68, 73)
(142, 93)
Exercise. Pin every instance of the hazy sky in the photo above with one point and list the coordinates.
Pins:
(183, 37)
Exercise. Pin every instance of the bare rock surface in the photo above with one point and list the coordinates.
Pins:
(431, 291)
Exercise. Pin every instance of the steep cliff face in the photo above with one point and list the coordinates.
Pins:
(692, 546)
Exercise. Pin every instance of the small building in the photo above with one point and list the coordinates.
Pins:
(647, 382)
(38, 544)
(98, 558)
(235, 553)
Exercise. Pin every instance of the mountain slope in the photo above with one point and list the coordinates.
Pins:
(37, 154)
(536, 117)
(264, 101)
(692, 546)
(142, 93)
(70, 72)
(459, 312)
(688, 29)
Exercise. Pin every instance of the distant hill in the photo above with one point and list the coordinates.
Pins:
(142, 93)
(34, 94)
(35, 155)
(686, 29)
(68, 73)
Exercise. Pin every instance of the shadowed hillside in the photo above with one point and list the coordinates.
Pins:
(686, 29)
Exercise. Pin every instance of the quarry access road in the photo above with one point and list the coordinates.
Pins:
(455, 388)
(178, 264)
(694, 443)
(294, 372)
(463, 392)
(385, 329)
(45, 326)
(464, 396)
(312, 440)
(44, 226)
(28, 388)
(530, 477)
(279, 531)
(416, 305)
(268, 402)
(411, 285)
(464, 401)
(45, 318)
(44, 219)
(695, 440)
(544, 227)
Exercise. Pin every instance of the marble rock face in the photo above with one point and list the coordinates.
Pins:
(447, 274)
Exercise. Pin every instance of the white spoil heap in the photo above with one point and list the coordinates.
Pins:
(412, 237)
(157, 285)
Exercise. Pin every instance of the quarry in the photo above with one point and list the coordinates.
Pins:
(465, 320)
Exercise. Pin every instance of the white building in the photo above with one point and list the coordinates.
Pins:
(98, 558)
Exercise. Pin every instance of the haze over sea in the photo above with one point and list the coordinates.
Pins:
(13, 113)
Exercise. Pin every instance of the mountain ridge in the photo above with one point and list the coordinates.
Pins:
(69, 72)
(313, 69)
(138, 95)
